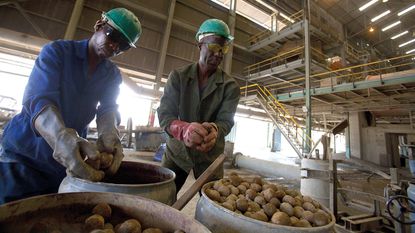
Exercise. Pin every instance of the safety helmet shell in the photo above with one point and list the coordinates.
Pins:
(215, 26)
(125, 22)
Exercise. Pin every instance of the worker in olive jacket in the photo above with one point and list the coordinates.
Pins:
(198, 106)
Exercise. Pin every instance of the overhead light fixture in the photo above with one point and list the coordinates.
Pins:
(362, 8)
(391, 26)
(371, 29)
(406, 10)
(406, 43)
(380, 16)
(385, 0)
(399, 35)
(410, 51)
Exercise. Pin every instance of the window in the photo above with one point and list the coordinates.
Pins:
(252, 13)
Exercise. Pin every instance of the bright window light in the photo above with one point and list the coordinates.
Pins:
(380, 15)
(391, 26)
(362, 8)
(14, 74)
(399, 35)
(406, 10)
(252, 13)
(410, 51)
(406, 43)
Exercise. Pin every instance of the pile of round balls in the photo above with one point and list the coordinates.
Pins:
(267, 202)
(98, 222)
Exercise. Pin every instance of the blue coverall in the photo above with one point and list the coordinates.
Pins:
(60, 78)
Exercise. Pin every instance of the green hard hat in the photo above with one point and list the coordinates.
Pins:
(125, 22)
(215, 26)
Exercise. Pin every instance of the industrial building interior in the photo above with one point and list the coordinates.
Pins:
(327, 91)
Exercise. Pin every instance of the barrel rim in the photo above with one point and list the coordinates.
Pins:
(84, 181)
(267, 224)
(12, 209)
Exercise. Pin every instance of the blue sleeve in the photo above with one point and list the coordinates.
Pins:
(108, 101)
(43, 86)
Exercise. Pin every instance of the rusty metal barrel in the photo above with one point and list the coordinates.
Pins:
(67, 212)
(221, 220)
(142, 179)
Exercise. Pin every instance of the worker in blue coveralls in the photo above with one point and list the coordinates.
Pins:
(70, 84)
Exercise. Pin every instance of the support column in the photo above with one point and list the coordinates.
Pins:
(227, 64)
(165, 43)
(307, 73)
(354, 134)
(348, 148)
(73, 22)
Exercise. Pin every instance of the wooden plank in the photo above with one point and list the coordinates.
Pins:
(197, 185)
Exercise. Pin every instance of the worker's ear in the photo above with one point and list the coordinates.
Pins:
(98, 25)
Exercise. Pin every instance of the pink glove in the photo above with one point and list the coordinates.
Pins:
(192, 134)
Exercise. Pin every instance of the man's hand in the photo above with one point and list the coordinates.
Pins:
(70, 151)
(192, 134)
(110, 143)
(68, 148)
(209, 140)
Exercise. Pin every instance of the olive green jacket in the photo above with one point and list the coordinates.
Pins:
(181, 100)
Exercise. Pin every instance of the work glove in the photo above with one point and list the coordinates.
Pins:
(69, 149)
(192, 134)
(209, 140)
(109, 140)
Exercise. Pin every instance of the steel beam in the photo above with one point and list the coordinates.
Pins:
(307, 48)
(73, 22)
(360, 85)
(165, 43)
(227, 63)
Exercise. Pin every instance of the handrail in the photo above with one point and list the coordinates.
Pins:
(335, 73)
(260, 35)
(276, 58)
(281, 58)
(264, 92)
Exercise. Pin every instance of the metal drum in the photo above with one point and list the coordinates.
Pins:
(221, 220)
(142, 179)
(316, 188)
(67, 212)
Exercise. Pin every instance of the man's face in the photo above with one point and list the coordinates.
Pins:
(108, 41)
(212, 49)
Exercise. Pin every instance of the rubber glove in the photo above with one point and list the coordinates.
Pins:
(68, 148)
(192, 134)
(109, 140)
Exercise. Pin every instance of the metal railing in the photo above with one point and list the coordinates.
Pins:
(351, 73)
(287, 124)
(266, 33)
(284, 58)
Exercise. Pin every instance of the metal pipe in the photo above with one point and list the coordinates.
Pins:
(227, 65)
(165, 43)
(73, 22)
(307, 75)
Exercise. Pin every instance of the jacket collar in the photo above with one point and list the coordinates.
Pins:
(214, 80)
(81, 49)
(217, 76)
